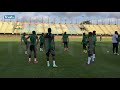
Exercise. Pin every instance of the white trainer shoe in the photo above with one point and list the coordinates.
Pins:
(55, 66)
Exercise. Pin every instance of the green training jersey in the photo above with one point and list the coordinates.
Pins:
(65, 38)
(24, 38)
(33, 39)
(41, 39)
(49, 41)
(90, 44)
(118, 39)
(94, 39)
(84, 40)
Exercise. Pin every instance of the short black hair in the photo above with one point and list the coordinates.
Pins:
(64, 32)
(90, 34)
(49, 29)
(94, 33)
(24, 33)
(33, 32)
(116, 32)
(83, 33)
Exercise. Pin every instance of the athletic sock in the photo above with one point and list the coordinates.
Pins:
(92, 58)
(48, 64)
(29, 59)
(35, 59)
(93, 55)
(89, 58)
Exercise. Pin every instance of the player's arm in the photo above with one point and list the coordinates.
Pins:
(21, 40)
(82, 41)
(68, 39)
(62, 39)
(96, 38)
(54, 41)
(37, 39)
(28, 37)
(44, 41)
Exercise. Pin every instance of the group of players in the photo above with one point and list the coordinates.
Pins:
(46, 41)
(89, 44)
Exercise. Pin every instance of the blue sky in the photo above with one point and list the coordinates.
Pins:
(69, 16)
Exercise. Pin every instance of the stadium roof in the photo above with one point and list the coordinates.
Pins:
(74, 17)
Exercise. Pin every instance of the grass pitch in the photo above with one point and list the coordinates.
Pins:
(71, 64)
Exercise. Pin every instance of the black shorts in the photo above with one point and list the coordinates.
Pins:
(32, 48)
(84, 46)
(50, 51)
(25, 43)
(65, 44)
(41, 45)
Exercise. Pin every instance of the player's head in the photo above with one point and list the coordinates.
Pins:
(49, 30)
(90, 34)
(64, 32)
(116, 32)
(83, 33)
(94, 32)
(42, 34)
(33, 32)
(24, 33)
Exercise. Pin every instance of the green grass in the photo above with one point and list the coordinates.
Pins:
(71, 64)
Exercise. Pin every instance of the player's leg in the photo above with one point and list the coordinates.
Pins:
(117, 48)
(67, 46)
(35, 54)
(94, 52)
(42, 46)
(114, 48)
(53, 57)
(30, 53)
(89, 57)
(92, 55)
(26, 48)
(64, 46)
(83, 47)
(47, 56)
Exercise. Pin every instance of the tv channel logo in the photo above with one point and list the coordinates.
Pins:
(9, 17)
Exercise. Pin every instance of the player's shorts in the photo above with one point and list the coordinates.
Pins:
(50, 51)
(33, 48)
(84, 46)
(90, 52)
(65, 44)
(27, 43)
(41, 44)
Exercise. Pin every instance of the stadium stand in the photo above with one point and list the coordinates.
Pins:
(46, 26)
(78, 30)
(4, 27)
(115, 28)
(59, 29)
(10, 28)
(65, 29)
(18, 27)
(110, 29)
(98, 29)
(104, 29)
(88, 28)
(39, 28)
(54, 30)
(71, 29)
